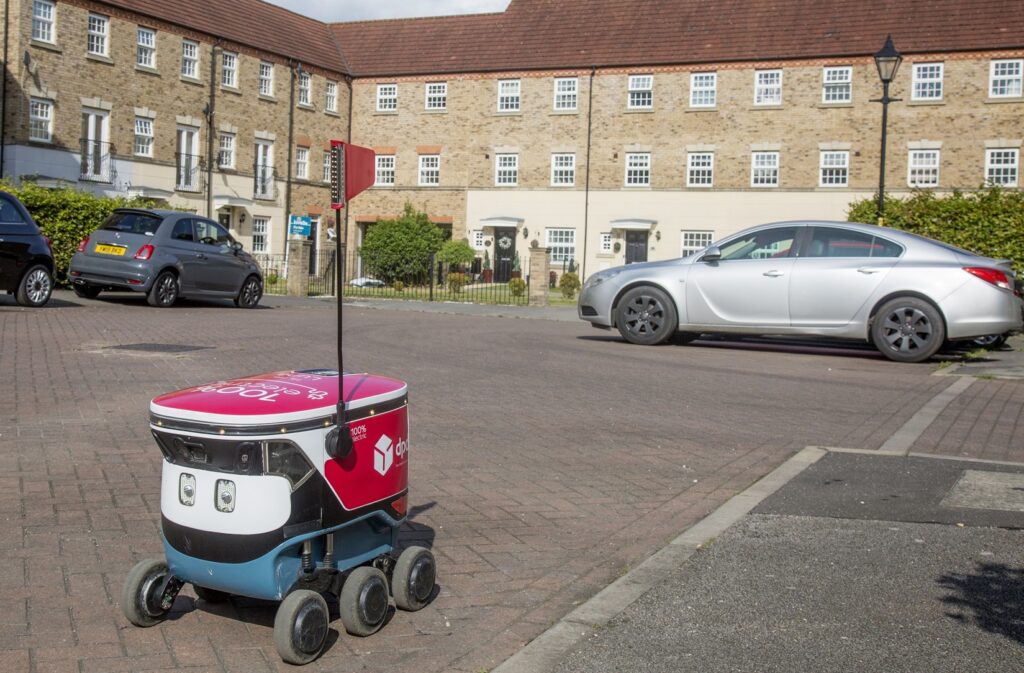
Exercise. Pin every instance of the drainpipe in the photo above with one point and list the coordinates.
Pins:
(3, 88)
(210, 111)
(291, 137)
(586, 188)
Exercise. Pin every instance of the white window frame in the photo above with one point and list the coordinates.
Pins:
(694, 240)
(190, 59)
(327, 166)
(44, 21)
(264, 164)
(926, 81)
(225, 150)
(302, 163)
(1011, 85)
(834, 168)
(700, 170)
(40, 120)
(387, 97)
(229, 69)
(509, 94)
(98, 35)
(703, 89)
(266, 79)
(605, 243)
(638, 169)
(331, 96)
(187, 177)
(306, 89)
(768, 87)
(506, 170)
(837, 85)
(143, 143)
(429, 170)
(561, 243)
(260, 239)
(384, 171)
(477, 237)
(145, 47)
(566, 93)
(1005, 161)
(916, 165)
(435, 96)
(563, 169)
(640, 92)
(764, 169)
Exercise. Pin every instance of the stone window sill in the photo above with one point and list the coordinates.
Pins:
(265, 97)
(1008, 99)
(190, 80)
(837, 105)
(99, 58)
(231, 89)
(565, 112)
(147, 70)
(767, 107)
(713, 108)
(925, 102)
(49, 46)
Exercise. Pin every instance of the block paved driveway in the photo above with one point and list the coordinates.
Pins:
(547, 459)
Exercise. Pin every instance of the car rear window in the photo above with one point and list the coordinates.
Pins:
(133, 223)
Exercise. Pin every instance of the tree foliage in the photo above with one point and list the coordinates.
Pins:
(400, 249)
(67, 215)
(456, 253)
(989, 221)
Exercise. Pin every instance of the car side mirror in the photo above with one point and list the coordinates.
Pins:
(236, 246)
(712, 254)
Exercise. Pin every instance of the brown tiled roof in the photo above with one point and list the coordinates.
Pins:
(249, 22)
(542, 34)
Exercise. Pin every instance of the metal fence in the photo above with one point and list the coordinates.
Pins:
(417, 280)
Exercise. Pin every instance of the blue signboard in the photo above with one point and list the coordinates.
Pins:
(299, 225)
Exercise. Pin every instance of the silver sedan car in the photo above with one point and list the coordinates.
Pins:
(904, 293)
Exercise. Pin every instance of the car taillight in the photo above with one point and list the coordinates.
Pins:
(81, 244)
(49, 243)
(145, 252)
(994, 276)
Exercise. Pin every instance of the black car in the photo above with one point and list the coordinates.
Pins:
(165, 254)
(26, 261)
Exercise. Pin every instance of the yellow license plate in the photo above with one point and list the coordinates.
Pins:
(110, 249)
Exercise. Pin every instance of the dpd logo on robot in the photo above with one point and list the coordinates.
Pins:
(385, 453)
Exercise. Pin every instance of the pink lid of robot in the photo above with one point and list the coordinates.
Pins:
(276, 397)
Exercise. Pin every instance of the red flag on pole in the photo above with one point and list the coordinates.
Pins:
(353, 170)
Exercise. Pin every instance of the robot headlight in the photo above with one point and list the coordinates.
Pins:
(187, 489)
(224, 495)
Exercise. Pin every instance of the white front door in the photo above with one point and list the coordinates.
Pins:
(95, 145)
(188, 159)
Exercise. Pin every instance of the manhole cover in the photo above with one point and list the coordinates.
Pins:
(157, 348)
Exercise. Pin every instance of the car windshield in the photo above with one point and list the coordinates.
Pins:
(133, 223)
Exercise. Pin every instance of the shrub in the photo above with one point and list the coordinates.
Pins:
(67, 215)
(569, 284)
(272, 279)
(456, 253)
(989, 222)
(517, 286)
(457, 281)
(400, 249)
(399, 286)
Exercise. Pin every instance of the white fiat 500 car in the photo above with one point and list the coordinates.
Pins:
(904, 293)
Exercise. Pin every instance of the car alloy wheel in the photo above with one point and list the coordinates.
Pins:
(646, 316)
(36, 287)
(908, 330)
(164, 291)
(250, 294)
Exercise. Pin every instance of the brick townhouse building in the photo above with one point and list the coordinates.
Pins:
(606, 130)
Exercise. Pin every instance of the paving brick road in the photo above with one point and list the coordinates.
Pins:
(547, 458)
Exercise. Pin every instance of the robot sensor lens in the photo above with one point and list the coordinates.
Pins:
(187, 489)
(225, 495)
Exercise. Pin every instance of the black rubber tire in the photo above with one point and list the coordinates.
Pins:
(164, 291)
(300, 626)
(138, 600)
(908, 329)
(250, 294)
(412, 582)
(86, 291)
(991, 342)
(35, 287)
(211, 595)
(646, 316)
(363, 603)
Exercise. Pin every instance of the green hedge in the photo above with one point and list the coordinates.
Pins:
(66, 216)
(989, 222)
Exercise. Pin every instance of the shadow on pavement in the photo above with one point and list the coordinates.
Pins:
(991, 598)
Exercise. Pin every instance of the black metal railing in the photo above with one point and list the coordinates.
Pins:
(97, 162)
(321, 273)
(189, 172)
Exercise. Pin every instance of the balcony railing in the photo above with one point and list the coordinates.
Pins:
(96, 164)
(189, 176)
(263, 184)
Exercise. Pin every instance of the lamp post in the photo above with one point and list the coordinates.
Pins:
(887, 60)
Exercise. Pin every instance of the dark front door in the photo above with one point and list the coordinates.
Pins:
(504, 254)
(636, 246)
(314, 239)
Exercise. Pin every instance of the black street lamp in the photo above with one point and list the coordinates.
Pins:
(887, 60)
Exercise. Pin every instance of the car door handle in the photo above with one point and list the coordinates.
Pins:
(867, 271)
(772, 274)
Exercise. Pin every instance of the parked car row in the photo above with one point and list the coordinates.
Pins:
(905, 294)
